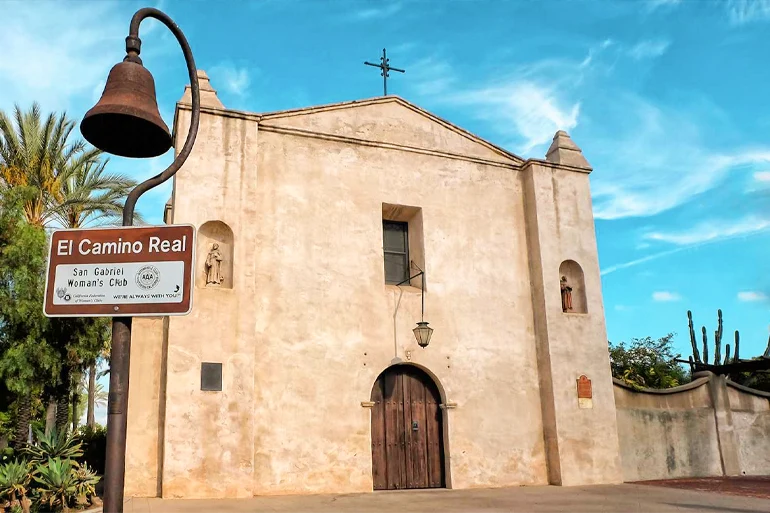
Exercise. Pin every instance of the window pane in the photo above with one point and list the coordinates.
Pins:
(395, 268)
(394, 236)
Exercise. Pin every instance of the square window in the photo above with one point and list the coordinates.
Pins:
(211, 376)
(395, 246)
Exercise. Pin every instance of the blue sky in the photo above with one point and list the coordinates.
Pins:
(667, 99)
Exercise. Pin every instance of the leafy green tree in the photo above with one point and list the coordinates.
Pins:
(69, 188)
(648, 363)
(758, 380)
(27, 360)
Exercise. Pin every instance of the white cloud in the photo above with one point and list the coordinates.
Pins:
(655, 4)
(617, 267)
(750, 295)
(649, 48)
(741, 12)
(526, 104)
(762, 176)
(54, 51)
(230, 78)
(712, 231)
(665, 296)
(656, 159)
(701, 235)
(533, 109)
(430, 75)
(374, 13)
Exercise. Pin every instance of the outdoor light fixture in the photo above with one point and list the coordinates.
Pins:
(422, 332)
(126, 122)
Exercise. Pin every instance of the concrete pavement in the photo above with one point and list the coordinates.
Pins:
(625, 498)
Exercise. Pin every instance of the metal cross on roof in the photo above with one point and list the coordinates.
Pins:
(385, 69)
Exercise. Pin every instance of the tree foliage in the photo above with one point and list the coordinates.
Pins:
(48, 178)
(27, 359)
(648, 363)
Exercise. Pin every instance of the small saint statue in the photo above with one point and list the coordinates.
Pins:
(214, 266)
(566, 295)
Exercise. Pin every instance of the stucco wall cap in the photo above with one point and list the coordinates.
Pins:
(563, 150)
(209, 96)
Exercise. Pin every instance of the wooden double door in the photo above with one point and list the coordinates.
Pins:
(407, 431)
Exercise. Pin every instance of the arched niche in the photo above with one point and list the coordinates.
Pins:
(215, 247)
(573, 288)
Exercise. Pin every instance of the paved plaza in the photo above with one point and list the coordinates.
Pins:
(627, 498)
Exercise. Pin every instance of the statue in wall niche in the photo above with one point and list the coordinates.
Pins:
(566, 295)
(213, 266)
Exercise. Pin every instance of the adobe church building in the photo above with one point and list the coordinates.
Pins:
(298, 370)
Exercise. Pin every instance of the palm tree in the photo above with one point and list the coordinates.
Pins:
(36, 154)
(88, 196)
(71, 190)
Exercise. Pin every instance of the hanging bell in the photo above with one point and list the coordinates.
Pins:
(125, 121)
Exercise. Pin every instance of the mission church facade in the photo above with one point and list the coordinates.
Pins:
(298, 371)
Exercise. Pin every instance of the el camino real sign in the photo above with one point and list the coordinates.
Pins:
(127, 271)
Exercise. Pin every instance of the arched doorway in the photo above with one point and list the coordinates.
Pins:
(407, 430)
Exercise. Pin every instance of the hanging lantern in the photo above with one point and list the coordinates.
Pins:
(422, 333)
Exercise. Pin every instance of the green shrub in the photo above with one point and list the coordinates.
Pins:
(85, 484)
(14, 482)
(56, 484)
(94, 447)
(53, 446)
(6, 455)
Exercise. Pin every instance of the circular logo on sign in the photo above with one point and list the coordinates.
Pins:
(147, 277)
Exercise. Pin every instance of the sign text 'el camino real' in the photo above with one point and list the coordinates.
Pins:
(127, 271)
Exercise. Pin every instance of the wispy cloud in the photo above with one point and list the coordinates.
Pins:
(637, 261)
(656, 4)
(230, 78)
(762, 176)
(665, 296)
(713, 231)
(751, 296)
(701, 235)
(649, 48)
(371, 13)
(657, 158)
(741, 12)
(431, 75)
(526, 103)
(54, 52)
(535, 110)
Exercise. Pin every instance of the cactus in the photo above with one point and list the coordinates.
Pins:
(718, 339)
(767, 349)
(705, 345)
(719, 325)
(736, 356)
(727, 354)
(693, 342)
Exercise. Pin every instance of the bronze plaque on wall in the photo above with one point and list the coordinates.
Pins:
(126, 271)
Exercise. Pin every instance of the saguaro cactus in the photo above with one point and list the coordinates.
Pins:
(705, 345)
(737, 356)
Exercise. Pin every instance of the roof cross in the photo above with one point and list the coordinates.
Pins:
(385, 67)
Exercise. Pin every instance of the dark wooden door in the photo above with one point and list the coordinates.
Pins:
(407, 435)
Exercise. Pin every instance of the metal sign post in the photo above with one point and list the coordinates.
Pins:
(126, 122)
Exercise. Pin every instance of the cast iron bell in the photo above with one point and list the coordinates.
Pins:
(126, 121)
